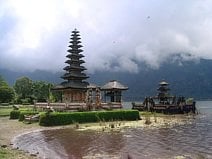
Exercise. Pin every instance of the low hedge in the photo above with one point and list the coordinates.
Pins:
(22, 113)
(4, 104)
(14, 114)
(64, 118)
(18, 114)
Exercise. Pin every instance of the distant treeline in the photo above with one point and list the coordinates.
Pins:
(27, 91)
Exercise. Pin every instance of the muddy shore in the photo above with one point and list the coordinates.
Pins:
(9, 129)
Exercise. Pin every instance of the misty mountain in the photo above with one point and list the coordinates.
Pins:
(190, 79)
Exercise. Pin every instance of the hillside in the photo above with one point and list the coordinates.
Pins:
(189, 79)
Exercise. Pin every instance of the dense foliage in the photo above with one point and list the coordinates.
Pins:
(7, 93)
(14, 114)
(28, 91)
(56, 118)
(42, 92)
(23, 87)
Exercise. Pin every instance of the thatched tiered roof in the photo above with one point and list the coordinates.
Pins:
(114, 85)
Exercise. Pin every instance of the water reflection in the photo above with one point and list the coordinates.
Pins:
(69, 143)
(77, 144)
(192, 140)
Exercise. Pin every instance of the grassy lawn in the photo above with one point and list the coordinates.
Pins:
(5, 110)
(7, 153)
(4, 153)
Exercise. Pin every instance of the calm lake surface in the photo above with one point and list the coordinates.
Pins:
(190, 141)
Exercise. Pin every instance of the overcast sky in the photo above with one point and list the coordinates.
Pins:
(116, 34)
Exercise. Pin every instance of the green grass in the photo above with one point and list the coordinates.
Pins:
(4, 153)
(5, 111)
(7, 153)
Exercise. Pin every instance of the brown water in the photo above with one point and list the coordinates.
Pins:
(192, 140)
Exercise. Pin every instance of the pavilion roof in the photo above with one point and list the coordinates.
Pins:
(114, 85)
(163, 83)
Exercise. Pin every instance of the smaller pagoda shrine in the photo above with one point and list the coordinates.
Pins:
(163, 94)
(113, 90)
(163, 102)
(74, 87)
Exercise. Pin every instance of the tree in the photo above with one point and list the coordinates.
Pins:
(7, 93)
(41, 90)
(23, 87)
(2, 82)
(55, 96)
(28, 90)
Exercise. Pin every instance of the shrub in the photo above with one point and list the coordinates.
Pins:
(18, 114)
(14, 114)
(23, 113)
(64, 118)
(4, 104)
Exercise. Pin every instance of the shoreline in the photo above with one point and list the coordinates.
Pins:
(11, 129)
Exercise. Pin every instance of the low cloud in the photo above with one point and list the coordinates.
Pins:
(116, 35)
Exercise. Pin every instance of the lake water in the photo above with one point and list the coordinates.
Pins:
(189, 141)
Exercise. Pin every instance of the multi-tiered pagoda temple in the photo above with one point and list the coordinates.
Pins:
(163, 94)
(74, 87)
